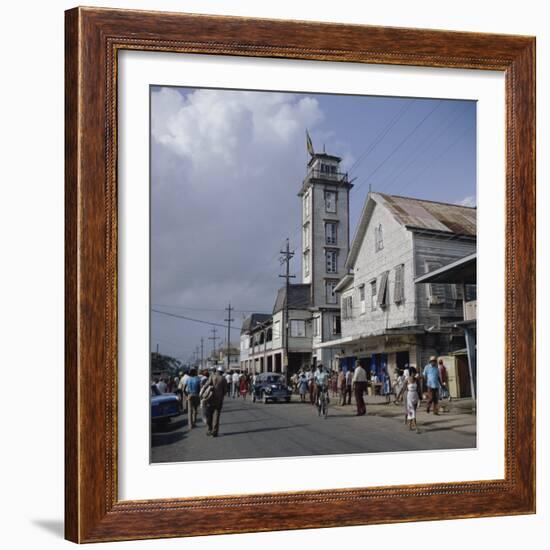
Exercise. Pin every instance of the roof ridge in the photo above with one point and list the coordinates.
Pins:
(425, 200)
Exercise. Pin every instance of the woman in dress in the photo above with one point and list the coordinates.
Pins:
(243, 386)
(411, 400)
(302, 387)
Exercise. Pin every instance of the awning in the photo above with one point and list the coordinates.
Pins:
(462, 271)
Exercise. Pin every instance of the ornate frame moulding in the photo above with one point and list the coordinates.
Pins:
(93, 39)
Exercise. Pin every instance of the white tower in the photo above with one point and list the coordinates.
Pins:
(325, 242)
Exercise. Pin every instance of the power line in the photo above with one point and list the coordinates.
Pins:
(442, 154)
(401, 143)
(414, 157)
(211, 323)
(382, 135)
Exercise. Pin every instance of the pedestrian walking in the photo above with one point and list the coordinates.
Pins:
(341, 386)
(192, 390)
(311, 385)
(161, 385)
(433, 382)
(411, 399)
(359, 382)
(235, 385)
(302, 387)
(349, 384)
(445, 394)
(181, 385)
(215, 401)
(243, 387)
(386, 385)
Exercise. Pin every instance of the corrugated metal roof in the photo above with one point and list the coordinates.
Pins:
(252, 321)
(299, 297)
(430, 215)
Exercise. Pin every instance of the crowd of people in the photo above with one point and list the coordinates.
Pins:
(206, 389)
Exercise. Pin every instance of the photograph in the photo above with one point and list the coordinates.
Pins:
(313, 282)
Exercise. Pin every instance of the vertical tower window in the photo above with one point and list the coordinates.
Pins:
(331, 257)
(306, 264)
(330, 233)
(306, 205)
(330, 295)
(362, 299)
(330, 201)
(306, 236)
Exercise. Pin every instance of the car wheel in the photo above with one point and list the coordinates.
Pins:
(287, 399)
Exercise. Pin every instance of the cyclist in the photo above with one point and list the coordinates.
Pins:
(321, 383)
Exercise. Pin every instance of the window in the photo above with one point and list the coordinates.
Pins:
(305, 237)
(378, 238)
(330, 295)
(276, 330)
(383, 298)
(306, 205)
(316, 326)
(330, 201)
(373, 294)
(399, 284)
(336, 325)
(347, 307)
(330, 233)
(306, 264)
(297, 328)
(436, 291)
(362, 299)
(331, 257)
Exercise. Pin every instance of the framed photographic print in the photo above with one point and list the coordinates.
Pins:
(300, 275)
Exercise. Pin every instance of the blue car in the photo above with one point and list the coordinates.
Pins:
(163, 405)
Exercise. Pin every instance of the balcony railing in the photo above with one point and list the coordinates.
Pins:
(337, 177)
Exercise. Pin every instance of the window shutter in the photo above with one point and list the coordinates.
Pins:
(399, 287)
(383, 291)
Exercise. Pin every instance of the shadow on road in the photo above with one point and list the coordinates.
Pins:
(265, 429)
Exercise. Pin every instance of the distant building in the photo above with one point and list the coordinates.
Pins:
(385, 317)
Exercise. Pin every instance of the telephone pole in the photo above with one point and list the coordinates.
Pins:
(202, 353)
(286, 256)
(213, 338)
(229, 320)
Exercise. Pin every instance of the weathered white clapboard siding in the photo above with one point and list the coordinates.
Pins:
(369, 265)
(438, 250)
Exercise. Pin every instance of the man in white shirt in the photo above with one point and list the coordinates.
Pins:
(161, 386)
(235, 384)
(359, 386)
(181, 386)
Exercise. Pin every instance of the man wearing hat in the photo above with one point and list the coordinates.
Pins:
(215, 402)
(433, 382)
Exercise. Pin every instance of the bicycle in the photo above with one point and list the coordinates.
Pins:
(322, 402)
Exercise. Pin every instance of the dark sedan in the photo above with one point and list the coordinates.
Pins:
(270, 386)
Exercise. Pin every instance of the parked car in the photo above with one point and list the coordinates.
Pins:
(163, 405)
(270, 386)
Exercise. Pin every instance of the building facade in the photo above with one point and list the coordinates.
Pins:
(385, 317)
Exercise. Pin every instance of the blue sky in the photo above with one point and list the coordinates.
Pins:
(225, 169)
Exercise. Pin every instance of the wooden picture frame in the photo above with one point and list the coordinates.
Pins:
(94, 37)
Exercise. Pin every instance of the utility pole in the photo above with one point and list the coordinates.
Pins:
(157, 348)
(202, 353)
(286, 256)
(229, 320)
(213, 338)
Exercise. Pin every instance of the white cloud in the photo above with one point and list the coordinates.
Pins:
(226, 169)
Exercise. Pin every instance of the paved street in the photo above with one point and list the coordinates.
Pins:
(255, 430)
